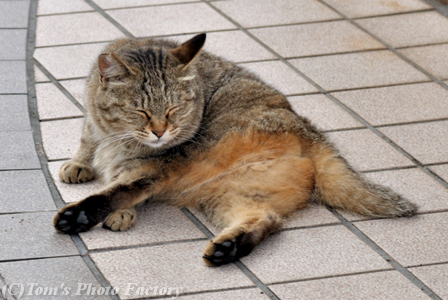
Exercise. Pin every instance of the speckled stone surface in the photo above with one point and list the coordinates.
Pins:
(433, 59)
(323, 112)
(356, 70)
(52, 103)
(316, 39)
(434, 277)
(72, 281)
(311, 253)
(411, 241)
(31, 235)
(357, 9)
(408, 29)
(61, 138)
(398, 104)
(366, 151)
(427, 142)
(381, 285)
(175, 265)
(172, 19)
(277, 74)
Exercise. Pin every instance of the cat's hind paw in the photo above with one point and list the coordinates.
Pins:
(120, 220)
(75, 172)
(72, 219)
(217, 254)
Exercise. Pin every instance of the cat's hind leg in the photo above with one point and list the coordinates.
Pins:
(251, 202)
(252, 225)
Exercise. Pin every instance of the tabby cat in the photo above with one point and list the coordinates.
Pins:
(169, 122)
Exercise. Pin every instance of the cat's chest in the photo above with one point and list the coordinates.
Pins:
(109, 158)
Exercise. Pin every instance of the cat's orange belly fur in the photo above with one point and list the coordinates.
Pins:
(243, 172)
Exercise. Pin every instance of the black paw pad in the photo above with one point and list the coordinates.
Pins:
(223, 253)
(72, 220)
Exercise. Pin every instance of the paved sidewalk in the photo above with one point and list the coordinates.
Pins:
(373, 74)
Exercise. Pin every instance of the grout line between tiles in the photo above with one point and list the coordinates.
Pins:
(109, 18)
(144, 245)
(331, 276)
(61, 119)
(395, 14)
(429, 265)
(404, 271)
(186, 294)
(36, 258)
(62, 89)
(17, 170)
(237, 263)
(25, 212)
(37, 136)
(349, 225)
(151, 5)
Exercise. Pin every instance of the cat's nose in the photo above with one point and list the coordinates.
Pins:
(159, 133)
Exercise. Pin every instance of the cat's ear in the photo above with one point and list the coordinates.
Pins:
(186, 52)
(112, 69)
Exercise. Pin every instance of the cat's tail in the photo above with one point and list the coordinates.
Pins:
(337, 185)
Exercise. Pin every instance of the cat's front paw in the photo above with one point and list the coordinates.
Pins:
(75, 172)
(72, 219)
(220, 253)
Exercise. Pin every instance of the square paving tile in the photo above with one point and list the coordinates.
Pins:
(242, 294)
(357, 9)
(323, 112)
(72, 192)
(310, 253)
(365, 151)
(422, 239)
(74, 29)
(61, 138)
(409, 29)
(31, 235)
(156, 223)
(441, 170)
(170, 19)
(14, 113)
(14, 14)
(433, 59)
(172, 265)
(106, 4)
(427, 142)
(398, 104)
(39, 76)
(13, 77)
(355, 70)
(24, 191)
(69, 61)
(235, 46)
(77, 88)
(67, 276)
(248, 12)
(13, 44)
(316, 39)
(382, 285)
(52, 103)
(280, 76)
(312, 215)
(17, 150)
(46, 7)
(434, 277)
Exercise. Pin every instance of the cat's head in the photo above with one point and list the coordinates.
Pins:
(149, 91)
